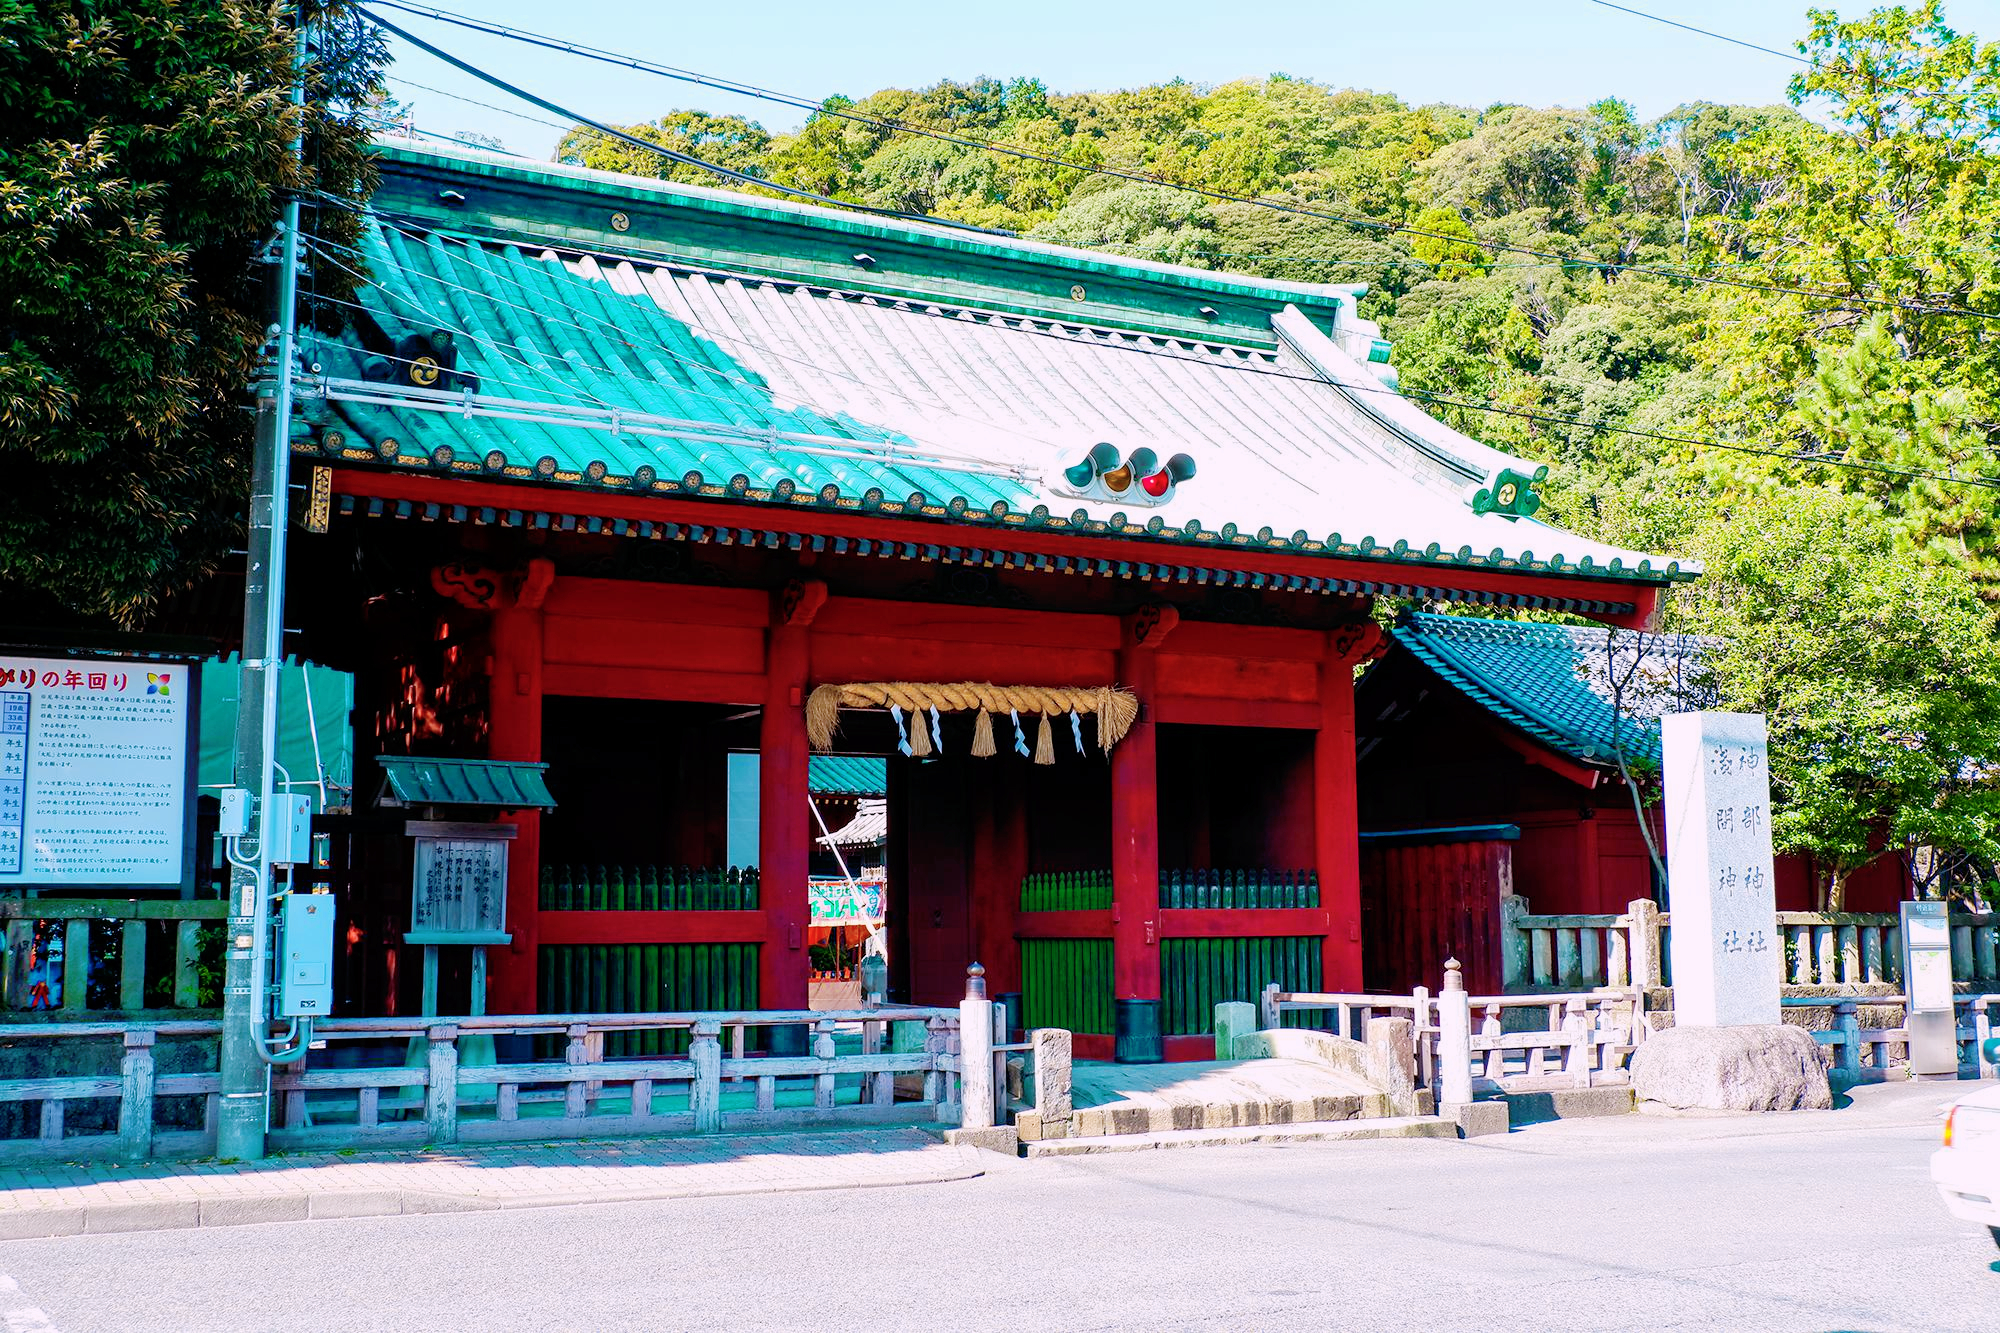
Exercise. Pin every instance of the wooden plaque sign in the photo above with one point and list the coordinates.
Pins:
(460, 891)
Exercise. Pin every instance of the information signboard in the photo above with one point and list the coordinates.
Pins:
(459, 895)
(95, 771)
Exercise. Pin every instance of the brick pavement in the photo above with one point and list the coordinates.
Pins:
(66, 1199)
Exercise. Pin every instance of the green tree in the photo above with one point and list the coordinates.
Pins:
(1878, 673)
(726, 141)
(1890, 210)
(144, 146)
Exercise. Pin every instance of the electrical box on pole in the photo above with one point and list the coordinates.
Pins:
(235, 818)
(291, 827)
(305, 978)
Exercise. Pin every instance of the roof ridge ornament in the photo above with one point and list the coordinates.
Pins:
(1508, 493)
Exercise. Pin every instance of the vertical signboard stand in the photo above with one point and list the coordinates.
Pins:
(459, 897)
(1727, 959)
(1931, 1021)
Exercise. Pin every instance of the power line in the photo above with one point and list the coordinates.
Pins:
(1720, 37)
(1023, 326)
(1770, 50)
(624, 335)
(1118, 248)
(727, 173)
(1133, 177)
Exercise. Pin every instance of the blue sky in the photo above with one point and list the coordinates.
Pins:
(1472, 52)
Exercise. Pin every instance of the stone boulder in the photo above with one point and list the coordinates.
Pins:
(1752, 1068)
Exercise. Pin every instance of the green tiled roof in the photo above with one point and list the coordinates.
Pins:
(1549, 680)
(507, 786)
(848, 775)
(640, 338)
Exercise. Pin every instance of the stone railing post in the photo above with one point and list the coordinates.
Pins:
(1420, 1042)
(135, 1096)
(705, 1096)
(1642, 916)
(975, 1053)
(1514, 972)
(937, 1079)
(576, 1051)
(1267, 1010)
(823, 1049)
(1389, 1042)
(1576, 1025)
(1054, 1105)
(441, 1096)
(1233, 1019)
(1982, 1032)
(1454, 1057)
(1847, 1022)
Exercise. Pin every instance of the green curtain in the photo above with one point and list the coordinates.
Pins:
(315, 744)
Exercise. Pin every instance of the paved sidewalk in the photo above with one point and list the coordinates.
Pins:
(65, 1200)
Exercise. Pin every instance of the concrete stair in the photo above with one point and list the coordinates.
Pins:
(1374, 1127)
(1216, 1102)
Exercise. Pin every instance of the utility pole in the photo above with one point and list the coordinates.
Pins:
(246, 1001)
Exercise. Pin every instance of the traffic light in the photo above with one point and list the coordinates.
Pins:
(1160, 485)
(1084, 474)
(1104, 473)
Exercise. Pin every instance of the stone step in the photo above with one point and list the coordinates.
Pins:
(1528, 1105)
(1380, 1127)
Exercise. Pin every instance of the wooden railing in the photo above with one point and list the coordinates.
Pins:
(446, 1086)
(128, 923)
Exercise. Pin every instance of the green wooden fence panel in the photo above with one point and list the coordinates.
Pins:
(567, 888)
(1066, 984)
(1198, 974)
(646, 978)
(1233, 889)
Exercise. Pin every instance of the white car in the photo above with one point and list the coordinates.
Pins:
(1967, 1167)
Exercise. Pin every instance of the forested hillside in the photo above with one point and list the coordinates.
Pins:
(1761, 336)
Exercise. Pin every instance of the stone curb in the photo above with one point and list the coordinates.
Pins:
(303, 1206)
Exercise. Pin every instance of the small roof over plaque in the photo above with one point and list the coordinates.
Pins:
(413, 780)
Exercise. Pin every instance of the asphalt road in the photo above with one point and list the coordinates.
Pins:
(1627, 1224)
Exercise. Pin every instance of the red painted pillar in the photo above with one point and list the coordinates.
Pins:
(783, 834)
(514, 709)
(1336, 824)
(999, 863)
(1135, 868)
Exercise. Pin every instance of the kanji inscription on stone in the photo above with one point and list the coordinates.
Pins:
(1726, 953)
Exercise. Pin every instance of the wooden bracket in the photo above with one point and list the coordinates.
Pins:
(535, 583)
(800, 602)
(1360, 641)
(469, 585)
(1151, 624)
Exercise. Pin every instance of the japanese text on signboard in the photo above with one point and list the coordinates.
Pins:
(93, 771)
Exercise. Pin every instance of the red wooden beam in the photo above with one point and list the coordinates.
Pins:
(1583, 775)
(1062, 925)
(422, 489)
(654, 928)
(1243, 922)
(1236, 712)
(611, 682)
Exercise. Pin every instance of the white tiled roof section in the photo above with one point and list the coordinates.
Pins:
(1277, 444)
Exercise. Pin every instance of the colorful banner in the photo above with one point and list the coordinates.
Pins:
(835, 902)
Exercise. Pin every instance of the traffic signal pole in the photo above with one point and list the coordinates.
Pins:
(245, 1063)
